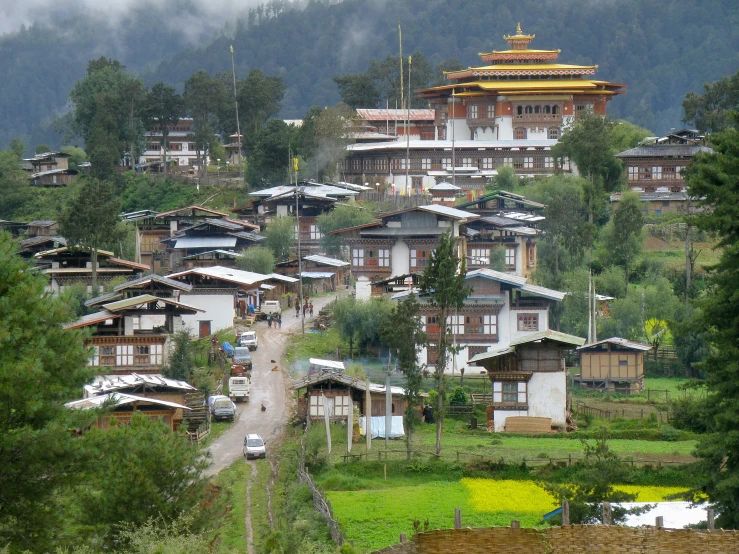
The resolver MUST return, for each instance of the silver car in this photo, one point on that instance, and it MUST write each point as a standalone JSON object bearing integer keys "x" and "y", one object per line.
{"x": 254, "y": 447}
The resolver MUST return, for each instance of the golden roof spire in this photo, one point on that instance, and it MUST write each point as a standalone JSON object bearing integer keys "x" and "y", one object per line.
{"x": 519, "y": 41}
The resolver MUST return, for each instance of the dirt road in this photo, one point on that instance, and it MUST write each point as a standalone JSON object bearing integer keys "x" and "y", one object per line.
{"x": 267, "y": 387}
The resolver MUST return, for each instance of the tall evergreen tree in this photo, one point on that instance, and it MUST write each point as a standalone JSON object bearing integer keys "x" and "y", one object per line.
{"x": 42, "y": 365}
{"x": 203, "y": 97}
{"x": 90, "y": 218}
{"x": 715, "y": 179}
{"x": 443, "y": 282}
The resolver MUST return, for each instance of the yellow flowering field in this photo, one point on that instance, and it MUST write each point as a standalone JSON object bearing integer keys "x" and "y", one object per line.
{"x": 490, "y": 496}
{"x": 650, "y": 494}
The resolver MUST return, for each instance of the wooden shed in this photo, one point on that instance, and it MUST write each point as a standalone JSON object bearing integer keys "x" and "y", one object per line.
{"x": 342, "y": 392}
{"x": 613, "y": 364}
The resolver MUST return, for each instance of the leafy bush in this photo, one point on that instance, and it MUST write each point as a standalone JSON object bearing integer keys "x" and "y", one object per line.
{"x": 458, "y": 397}
{"x": 669, "y": 433}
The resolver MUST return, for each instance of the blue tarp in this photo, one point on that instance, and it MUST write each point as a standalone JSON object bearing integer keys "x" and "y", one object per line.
{"x": 378, "y": 427}
{"x": 228, "y": 349}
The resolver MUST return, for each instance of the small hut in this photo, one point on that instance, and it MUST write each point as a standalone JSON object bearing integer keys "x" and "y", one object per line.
{"x": 614, "y": 364}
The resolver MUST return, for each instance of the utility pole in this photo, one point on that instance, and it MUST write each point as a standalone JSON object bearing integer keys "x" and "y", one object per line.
{"x": 236, "y": 104}
{"x": 454, "y": 158}
{"x": 297, "y": 224}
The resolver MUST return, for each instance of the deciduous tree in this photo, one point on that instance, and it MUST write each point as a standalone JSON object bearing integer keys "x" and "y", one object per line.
{"x": 358, "y": 91}
{"x": 711, "y": 111}
{"x": 203, "y": 96}
{"x": 164, "y": 108}
{"x": 258, "y": 259}
{"x": 403, "y": 334}
{"x": 281, "y": 236}
{"x": 342, "y": 216}
{"x": 443, "y": 283}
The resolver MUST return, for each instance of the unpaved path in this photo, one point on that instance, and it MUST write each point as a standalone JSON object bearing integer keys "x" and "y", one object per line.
{"x": 267, "y": 387}
{"x": 247, "y": 517}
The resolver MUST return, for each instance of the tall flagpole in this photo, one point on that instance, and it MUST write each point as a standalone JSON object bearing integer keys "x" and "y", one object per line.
{"x": 454, "y": 157}
{"x": 236, "y": 103}
{"x": 408, "y": 132}
{"x": 400, "y": 41}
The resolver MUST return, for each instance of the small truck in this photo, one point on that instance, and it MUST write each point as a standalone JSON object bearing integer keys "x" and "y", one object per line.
{"x": 238, "y": 388}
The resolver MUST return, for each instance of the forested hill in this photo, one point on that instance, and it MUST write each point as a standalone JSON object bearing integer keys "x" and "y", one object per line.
{"x": 660, "y": 48}
{"x": 39, "y": 64}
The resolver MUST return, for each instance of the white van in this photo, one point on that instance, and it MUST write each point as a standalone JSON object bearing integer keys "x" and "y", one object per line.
{"x": 238, "y": 388}
{"x": 271, "y": 307}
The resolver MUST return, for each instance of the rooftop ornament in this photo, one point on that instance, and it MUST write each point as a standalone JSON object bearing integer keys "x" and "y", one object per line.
{"x": 519, "y": 41}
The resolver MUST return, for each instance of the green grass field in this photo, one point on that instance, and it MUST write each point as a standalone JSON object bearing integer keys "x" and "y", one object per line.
{"x": 373, "y": 519}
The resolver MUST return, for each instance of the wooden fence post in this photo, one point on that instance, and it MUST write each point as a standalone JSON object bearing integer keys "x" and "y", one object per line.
{"x": 402, "y": 537}
{"x": 565, "y": 512}
{"x": 606, "y": 513}
{"x": 711, "y": 517}
{"x": 457, "y": 518}
{"x": 515, "y": 524}
{"x": 659, "y": 522}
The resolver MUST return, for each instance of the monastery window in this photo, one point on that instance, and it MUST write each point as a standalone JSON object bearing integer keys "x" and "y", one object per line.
{"x": 537, "y": 109}
{"x": 427, "y": 135}
{"x": 528, "y": 162}
{"x": 645, "y": 173}
{"x": 548, "y": 162}
{"x": 520, "y": 133}
{"x": 555, "y": 110}
{"x": 356, "y": 165}
{"x": 472, "y": 111}
{"x": 419, "y": 258}
{"x": 367, "y": 164}
{"x": 528, "y": 322}
{"x": 565, "y": 164}
{"x": 176, "y": 147}
{"x": 479, "y": 256}
{"x": 191, "y": 146}
{"x": 315, "y": 233}
{"x": 529, "y": 110}
{"x": 432, "y": 354}
{"x": 531, "y": 250}
{"x": 633, "y": 173}
{"x": 358, "y": 257}
{"x": 510, "y": 258}
{"x": 426, "y": 163}
{"x": 488, "y": 112}
{"x": 553, "y": 133}
{"x": 446, "y": 163}
{"x": 547, "y": 109}
{"x": 669, "y": 173}
{"x": 504, "y": 161}
{"x": 487, "y": 163}
{"x": 519, "y": 110}
{"x": 657, "y": 172}
{"x": 467, "y": 162}
{"x": 509, "y": 392}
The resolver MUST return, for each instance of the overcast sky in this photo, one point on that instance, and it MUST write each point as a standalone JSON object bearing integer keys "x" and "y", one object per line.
{"x": 14, "y": 13}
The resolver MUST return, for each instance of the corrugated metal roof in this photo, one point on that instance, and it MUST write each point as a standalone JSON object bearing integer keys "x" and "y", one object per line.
{"x": 320, "y": 362}
{"x": 102, "y": 298}
{"x": 205, "y": 242}
{"x": 449, "y": 212}
{"x": 372, "y": 114}
{"x": 528, "y": 231}
{"x": 619, "y": 342}
{"x": 225, "y": 253}
{"x": 42, "y": 223}
{"x": 54, "y": 172}
{"x": 444, "y": 186}
{"x": 459, "y": 145}
{"x": 487, "y": 273}
{"x": 155, "y": 278}
{"x": 500, "y": 221}
{"x": 283, "y": 278}
{"x": 192, "y": 208}
{"x": 317, "y": 274}
{"x": 542, "y": 291}
{"x": 91, "y": 319}
{"x": 490, "y": 354}
{"x": 334, "y": 374}
{"x": 128, "y": 263}
{"x": 248, "y": 235}
{"x": 524, "y": 217}
{"x": 663, "y": 150}
{"x": 224, "y": 273}
{"x": 115, "y": 399}
{"x": 104, "y": 384}
{"x": 549, "y": 334}
{"x": 326, "y": 260}
{"x": 314, "y": 189}
{"x": 34, "y": 241}
{"x": 146, "y": 299}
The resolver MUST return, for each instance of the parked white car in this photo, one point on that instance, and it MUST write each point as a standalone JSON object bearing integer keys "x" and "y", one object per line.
{"x": 248, "y": 339}
{"x": 254, "y": 447}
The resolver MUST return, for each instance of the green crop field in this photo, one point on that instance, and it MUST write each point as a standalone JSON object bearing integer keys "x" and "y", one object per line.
{"x": 373, "y": 519}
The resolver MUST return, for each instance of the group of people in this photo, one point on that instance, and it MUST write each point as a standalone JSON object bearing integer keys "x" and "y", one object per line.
{"x": 307, "y": 309}
{"x": 274, "y": 318}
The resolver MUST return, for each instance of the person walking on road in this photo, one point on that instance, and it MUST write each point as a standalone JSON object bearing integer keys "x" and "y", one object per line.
{"x": 279, "y": 321}
{"x": 297, "y": 309}
{"x": 305, "y": 309}
{"x": 310, "y": 309}
{"x": 269, "y": 320}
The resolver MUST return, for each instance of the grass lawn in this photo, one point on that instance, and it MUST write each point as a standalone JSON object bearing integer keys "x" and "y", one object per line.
{"x": 230, "y": 530}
